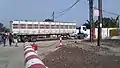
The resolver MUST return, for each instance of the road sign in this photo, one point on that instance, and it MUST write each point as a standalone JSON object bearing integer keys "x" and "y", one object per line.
{"x": 100, "y": 24}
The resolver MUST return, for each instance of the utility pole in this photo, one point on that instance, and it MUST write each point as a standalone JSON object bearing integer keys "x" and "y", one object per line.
{"x": 91, "y": 19}
{"x": 100, "y": 22}
{"x": 53, "y": 15}
{"x": 119, "y": 21}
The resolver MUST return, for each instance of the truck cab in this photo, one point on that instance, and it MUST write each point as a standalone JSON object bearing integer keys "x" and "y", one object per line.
{"x": 83, "y": 29}
{"x": 81, "y": 32}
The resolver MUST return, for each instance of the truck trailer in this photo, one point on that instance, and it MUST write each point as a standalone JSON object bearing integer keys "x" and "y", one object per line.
{"x": 35, "y": 30}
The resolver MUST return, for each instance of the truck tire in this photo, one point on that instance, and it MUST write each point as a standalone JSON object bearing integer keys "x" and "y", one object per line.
{"x": 24, "y": 38}
{"x": 81, "y": 36}
{"x": 33, "y": 39}
{"x": 19, "y": 39}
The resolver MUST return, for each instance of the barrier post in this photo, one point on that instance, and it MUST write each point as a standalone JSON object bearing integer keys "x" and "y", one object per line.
{"x": 60, "y": 45}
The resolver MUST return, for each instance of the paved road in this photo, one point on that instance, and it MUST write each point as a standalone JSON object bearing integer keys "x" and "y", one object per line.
{"x": 13, "y": 57}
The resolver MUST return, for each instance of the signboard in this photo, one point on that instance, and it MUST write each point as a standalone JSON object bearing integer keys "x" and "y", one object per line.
{"x": 96, "y": 12}
{"x": 100, "y": 24}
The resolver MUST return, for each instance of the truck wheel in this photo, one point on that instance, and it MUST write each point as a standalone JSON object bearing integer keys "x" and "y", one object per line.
{"x": 24, "y": 38}
{"x": 82, "y": 36}
{"x": 19, "y": 39}
{"x": 33, "y": 39}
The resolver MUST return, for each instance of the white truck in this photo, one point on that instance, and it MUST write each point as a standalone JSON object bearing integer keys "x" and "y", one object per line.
{"x": 35, "y": 30}
{"x": 81, "y": 32}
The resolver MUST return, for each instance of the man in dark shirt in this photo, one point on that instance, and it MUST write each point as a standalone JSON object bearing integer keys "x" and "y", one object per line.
{"x": 4, "y": 39}
{"x": 10, "y": 39}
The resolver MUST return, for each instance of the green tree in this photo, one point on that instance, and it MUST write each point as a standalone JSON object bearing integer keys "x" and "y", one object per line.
{"x": 106, "y": 23}
{"x": 87, "y": 25}
{"x": 3, "y": 29}
{"x": 49, "y": 20}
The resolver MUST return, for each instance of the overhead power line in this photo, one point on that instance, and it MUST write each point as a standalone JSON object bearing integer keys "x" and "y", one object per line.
{"x": 66, "y": 10}
{"x": 49, "y": 16}
{"x": 107, "y": 11}
{"x": 70, "y": 6}
{"x": 60, "y": 15}
{"x": 110, "y": 12}
{"x": 104, "y": 10}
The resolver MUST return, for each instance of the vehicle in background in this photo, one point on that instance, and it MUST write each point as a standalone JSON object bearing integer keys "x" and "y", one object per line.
{"x": 36, "y": 30}
{"x": 81, "y": 32}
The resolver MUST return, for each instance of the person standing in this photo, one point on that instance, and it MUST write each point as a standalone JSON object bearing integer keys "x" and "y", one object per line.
{"x": 35, "y": 47}
{"x": 10, "y": 39}
{"x": 4, "y": 39}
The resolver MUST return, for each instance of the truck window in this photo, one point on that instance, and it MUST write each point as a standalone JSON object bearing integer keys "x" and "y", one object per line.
{"x": 84, "y": 28}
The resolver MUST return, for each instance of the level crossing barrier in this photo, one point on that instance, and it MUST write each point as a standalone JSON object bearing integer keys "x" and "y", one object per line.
{"x": 32, "y": 59}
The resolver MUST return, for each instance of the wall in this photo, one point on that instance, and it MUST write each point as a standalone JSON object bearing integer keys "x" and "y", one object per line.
{"x": 105, "y": 32}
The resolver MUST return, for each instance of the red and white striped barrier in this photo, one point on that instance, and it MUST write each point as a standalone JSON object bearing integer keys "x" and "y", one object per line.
{"x": 60, "y": 45}
{"x": 31, "y": 58}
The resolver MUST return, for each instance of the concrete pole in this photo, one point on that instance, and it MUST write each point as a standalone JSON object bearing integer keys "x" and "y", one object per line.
{"x": 100, "y": 21}
{"x": 91, "y": 19}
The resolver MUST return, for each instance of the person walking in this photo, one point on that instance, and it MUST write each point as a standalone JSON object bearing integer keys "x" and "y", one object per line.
{"x": 0, "y": 39}
{"x": 4, "y": 39}
{"x": 10, "y": 39}
{"x": 15, "y": 40}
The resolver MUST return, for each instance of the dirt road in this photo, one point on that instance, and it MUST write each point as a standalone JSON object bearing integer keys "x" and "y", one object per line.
{"x": 83, "y": 55}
